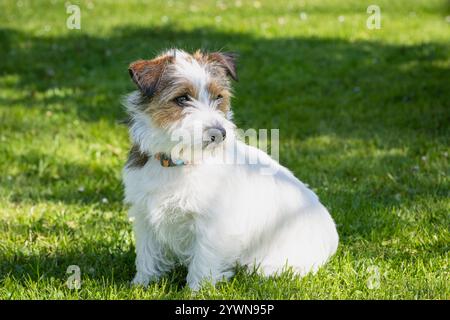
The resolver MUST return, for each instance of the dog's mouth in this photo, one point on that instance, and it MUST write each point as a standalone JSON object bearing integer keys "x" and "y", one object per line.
{"x": 209, "y": 145}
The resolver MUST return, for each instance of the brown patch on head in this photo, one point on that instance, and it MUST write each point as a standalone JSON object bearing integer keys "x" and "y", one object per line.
{"x": 160, "y": 84}
{"x": 163, "y": 109}
{"x": 226, "y": 60}
{"x": 219, "y": 61}
{"x": 164, "y": 114}
{"x": 200, "y": 56}
{"x": 146, "y": 74}
{"x": 149, "y": 76}
{"x": 217, "y": 89}
{"x": 181, "y": 88}
{"x": 220, "y": 65}
{"x": 136, "y": 159}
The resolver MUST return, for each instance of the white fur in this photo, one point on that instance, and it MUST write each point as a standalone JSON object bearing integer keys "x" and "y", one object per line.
{"x": 213, "y": 215}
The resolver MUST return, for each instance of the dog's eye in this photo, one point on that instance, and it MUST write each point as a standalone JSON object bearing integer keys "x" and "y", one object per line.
{"x": 219, "y": 97}
{"x": 181, "y": 100}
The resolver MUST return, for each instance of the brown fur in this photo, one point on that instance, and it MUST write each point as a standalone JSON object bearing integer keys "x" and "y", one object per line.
{"x": 157, "y": 85}
{"x": 136, "y": 159}
{"x": 227, "y": 61}
{"x": 164, "y": 114}
{"x": 216, "y": 89}
{"x": 147, "y": 73}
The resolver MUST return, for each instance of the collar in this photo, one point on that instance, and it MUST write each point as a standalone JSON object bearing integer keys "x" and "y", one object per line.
{"x": 166, "y": 161}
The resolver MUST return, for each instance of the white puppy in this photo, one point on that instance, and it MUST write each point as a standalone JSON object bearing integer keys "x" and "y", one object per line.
{"x": 210, "y": 212}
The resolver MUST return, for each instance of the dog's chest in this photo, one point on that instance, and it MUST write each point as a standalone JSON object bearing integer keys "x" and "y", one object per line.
{"x": 177, "y": 201}
{"x": 173, "y": 216}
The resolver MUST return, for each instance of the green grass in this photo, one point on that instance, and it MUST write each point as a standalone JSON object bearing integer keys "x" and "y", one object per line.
{"x": 363, "y": 115}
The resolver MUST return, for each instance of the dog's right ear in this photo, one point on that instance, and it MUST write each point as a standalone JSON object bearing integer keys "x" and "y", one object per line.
{"x": 147, "y": 73}
{"x": 227, "y": 60}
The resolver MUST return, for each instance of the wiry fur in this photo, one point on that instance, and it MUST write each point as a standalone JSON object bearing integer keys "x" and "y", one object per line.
{"x": 211, "y": 215}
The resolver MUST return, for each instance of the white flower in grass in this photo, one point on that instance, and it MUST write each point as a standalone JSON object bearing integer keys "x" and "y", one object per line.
{"x": 238, "y": 3}
{"x": 164, "y": 19}
{"x": 218, "y": 19}
{"x": 257, "y": 4}
{"x": 341, "y": 19}
{"x": 424, "y": 158}
{"x": 81, "y": 189}
{"x": 281, "y": 21}
{"x": 303, "y": 16}
{"x": 105, "y": 200}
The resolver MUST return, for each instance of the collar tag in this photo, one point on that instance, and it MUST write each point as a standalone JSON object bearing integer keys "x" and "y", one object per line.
{"x": 166, "y": 161}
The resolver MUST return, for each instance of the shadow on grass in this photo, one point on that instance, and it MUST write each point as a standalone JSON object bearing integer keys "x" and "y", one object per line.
{"x": 347, "y": 89}
{"x": 97, "y": 262}
{"x": 46, "y": 178}
{"x": 332, "y": 83}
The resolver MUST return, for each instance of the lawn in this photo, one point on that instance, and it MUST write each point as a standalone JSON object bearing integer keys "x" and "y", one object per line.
{"x": 363, "y": 116}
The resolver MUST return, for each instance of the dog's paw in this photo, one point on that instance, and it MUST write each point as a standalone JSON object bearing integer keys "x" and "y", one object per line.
{"x": 194, "y": 285}
{"x": 140, "y": 279}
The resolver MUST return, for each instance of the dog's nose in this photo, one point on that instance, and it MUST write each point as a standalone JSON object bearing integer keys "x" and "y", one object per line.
{"x": 217, "y": 134}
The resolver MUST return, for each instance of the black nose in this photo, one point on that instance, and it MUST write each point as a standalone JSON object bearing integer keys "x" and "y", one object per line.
{"x": 217, "y": 133}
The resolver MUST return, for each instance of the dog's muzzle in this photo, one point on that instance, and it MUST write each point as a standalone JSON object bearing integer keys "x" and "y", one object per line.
{"x": 215, "y": 135}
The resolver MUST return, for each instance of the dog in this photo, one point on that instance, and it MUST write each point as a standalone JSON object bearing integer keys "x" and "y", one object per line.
{"x": 210, "y": 214}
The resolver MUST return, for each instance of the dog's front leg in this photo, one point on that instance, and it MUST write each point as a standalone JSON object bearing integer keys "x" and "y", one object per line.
{"x": 150, "y": 261}
{"x": 207, "y": 265}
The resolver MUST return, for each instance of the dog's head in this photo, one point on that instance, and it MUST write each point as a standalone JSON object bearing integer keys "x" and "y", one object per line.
{"x": 181, "y": 96}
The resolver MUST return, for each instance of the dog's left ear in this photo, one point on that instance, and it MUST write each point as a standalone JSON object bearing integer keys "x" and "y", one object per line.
{"x": 227, "y": 60}
{"x": 147, "y": 73}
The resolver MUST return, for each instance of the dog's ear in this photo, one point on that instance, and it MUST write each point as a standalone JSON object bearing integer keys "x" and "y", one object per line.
{"x": 147, "y": 73}
{"x": 227, "y": 60}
